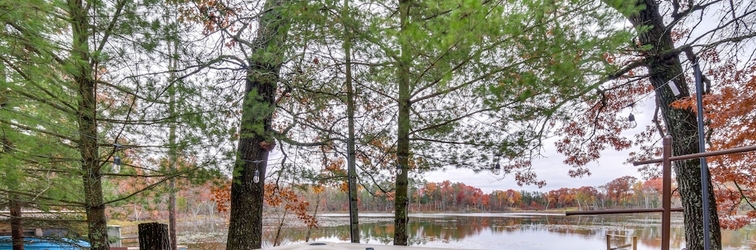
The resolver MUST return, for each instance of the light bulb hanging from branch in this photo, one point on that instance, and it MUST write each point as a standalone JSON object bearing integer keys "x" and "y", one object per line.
{"x": 116, "y": 159}
{"x": 631, "y": 118}
{"x": 496, "y": 169}
{"x": 632, "y": 121}
{"x": 256, "y": 177}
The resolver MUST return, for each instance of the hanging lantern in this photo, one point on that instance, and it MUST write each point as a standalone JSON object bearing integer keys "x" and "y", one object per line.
{"x": 632, "y": 121}
{"x": 116, "y": 164}
{"x": 496, "y": 170}
{"x": 116, "y": 158}
{"x": 256, "y": 178}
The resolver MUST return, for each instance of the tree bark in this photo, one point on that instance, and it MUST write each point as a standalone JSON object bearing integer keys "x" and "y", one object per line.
{"x": 17, "y": 230}
{"x": 14, "y": 205}
{"x": 681, "y": 123}
{"x": 173, "y": 151}
{"x": 255, "y": 142}
{"x": 154, "y": 236}
{"x": 403, "y": 120}
{"x": 87, "y": 122}
{"x": 354, "y": 222}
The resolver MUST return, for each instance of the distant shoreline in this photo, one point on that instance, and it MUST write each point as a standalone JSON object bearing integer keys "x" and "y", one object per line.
{"x": 449, "y": 214}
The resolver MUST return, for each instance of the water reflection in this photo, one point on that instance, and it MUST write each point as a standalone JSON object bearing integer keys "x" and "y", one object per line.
{"x": 499, "y": 231}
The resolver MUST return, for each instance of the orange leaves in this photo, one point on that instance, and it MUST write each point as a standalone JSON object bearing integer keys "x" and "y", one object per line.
{"x": 389, "y": 196}
{"x": 678, "y": 33}
{"x": 728, "y": 204}
{"x": 608, "y": 58}
{"x": 213, "y": 15}
{"x": 222, "y": 197}
{"x": 335, "y": 166}
{"x": 619, "y": 189}
{"x": 275, "y": 196}
{"x": 344, "y": 186}
{"x": 654, "y": 184}
{"x": 268, "y": 146}
{"x": 561, "y": 196}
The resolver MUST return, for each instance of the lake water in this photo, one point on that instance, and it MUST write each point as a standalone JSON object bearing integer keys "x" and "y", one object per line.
{"x": 528, "y": 231}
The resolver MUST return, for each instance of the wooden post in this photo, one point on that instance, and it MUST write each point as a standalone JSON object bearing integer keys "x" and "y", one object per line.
{"x": 154, "y": 236}
{"x": 608, "y": 243}
{"x": 666, "y": 161}
{"x": 666, "y": 190}
{"x": 635, "y": 242}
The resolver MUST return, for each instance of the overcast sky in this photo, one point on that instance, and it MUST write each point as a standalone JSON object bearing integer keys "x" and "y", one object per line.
{"x": 552, "y": 169}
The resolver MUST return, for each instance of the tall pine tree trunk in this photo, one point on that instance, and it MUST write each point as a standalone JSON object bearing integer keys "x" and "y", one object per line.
{"x": 87, "y": 122}
{"x": 154, "y": 236}
{"x": 403, "y": 120}
{"x": 17, "y": 229}
{"x": 681, "y": 123}
{"x": 354, "y": 222}
{"x": 255, "y": 142}
{"x": 172, "y": 182}
{"x": 14, "y": 205}
{"x": 173, "y": 151}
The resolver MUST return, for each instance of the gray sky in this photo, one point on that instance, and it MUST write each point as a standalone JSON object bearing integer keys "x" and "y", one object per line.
{"x": 552, "y": 169}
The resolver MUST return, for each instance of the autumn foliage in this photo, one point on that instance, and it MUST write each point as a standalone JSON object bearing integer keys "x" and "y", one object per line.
{"x": 275, "y": 196}
{"x": 730, "y": 118}
{"x": 600, "y": 121}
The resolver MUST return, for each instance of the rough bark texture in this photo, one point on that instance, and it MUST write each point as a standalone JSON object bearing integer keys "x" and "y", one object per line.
{"x": 681, "y": 123}
{"x": 403, "y": 120}
{"x": 154, "y": 236}
{"x": 172, "y": 215}
{"x": 354, "y": 222}
{"x": 247, "y": 197}
{"x": 17, "y": 230}
{"x": 14, "y": 205}
{"x": 173, "y": 157}
{"x": 87, "y": 122}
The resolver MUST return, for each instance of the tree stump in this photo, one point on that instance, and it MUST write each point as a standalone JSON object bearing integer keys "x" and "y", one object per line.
{"x": 154, "y": 236}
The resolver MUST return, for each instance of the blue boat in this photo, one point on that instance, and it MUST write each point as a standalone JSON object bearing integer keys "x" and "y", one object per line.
{"x": 33, "y": 243}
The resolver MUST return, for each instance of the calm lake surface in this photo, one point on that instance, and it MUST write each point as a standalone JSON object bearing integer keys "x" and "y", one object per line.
{"x": 529, "y": 231}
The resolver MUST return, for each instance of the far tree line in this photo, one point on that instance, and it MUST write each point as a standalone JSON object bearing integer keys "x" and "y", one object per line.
{"x": 425, "y": 197}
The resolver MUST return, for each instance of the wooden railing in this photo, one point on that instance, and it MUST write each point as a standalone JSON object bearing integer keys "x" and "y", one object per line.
{"x": 666, "y": 162}
{"x": 633, "y": 244}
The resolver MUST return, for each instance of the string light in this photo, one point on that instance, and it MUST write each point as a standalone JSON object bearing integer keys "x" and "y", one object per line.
{"x": 256, "y": 175}
{"x": 632, "y": 121}
{"x": 496, "y": 170}
{"x": 399, "y": 165}
{"x": 674, "y": 89}
{"x": 117, "y": 159}
{"x": 495, "y": 167}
